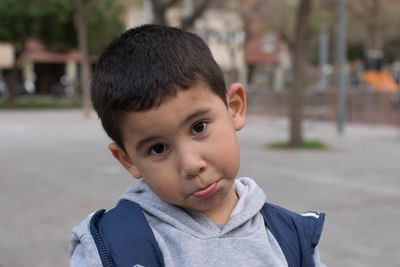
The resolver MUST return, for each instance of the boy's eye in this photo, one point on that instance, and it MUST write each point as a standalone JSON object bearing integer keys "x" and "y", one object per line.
{"x": 198, "y": 128}
{"x": 158, "y": 149}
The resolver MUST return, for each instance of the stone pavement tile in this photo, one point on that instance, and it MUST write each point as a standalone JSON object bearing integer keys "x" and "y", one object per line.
{"x": 55, "y": 169}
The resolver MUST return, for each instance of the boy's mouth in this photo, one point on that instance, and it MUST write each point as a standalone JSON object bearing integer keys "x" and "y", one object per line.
{"x": 206, "y": 192}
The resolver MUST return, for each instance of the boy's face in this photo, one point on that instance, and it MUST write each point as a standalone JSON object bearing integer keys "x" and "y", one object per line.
{"x": 186, "y": 150}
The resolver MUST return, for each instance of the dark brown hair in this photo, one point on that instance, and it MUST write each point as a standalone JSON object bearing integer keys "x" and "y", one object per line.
{"x": 146, "y": 65}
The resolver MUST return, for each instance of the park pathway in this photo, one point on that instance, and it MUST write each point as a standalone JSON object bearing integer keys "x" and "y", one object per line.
{"x": 55, "y": 169}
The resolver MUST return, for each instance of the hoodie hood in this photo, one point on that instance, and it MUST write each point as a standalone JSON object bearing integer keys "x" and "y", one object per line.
{"x": 188, "y": 238}
{"x": 192, "y": 222}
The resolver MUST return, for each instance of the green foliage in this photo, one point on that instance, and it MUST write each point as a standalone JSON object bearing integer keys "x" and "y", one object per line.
{"x": 307, "y": 145}
{"x": 355, "y": 51}
{"x": 41, "y": 102}
{"x": 55, "y": 25}
{"x": 52, "y": 21}
{"x": 391, "y": 51}
{"x": 279, "y": 17}
{"x": 17, "y": 21}
{"x": 104, "y": 24}
{"x": 321, "y": 15}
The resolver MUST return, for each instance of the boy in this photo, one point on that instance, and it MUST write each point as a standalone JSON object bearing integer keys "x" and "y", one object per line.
{"x": 161, "y": 98}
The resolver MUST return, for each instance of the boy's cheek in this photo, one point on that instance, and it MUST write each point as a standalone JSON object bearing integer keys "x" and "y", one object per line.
{"x": 228, "y": 155}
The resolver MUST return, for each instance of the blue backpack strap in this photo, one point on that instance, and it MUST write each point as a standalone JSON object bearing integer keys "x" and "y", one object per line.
{"x": 124, "y": 238}
{"x": 297, "y": 235}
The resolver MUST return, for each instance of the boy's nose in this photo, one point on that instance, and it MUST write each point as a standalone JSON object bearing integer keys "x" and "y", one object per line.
{"x": 192, "y": 164}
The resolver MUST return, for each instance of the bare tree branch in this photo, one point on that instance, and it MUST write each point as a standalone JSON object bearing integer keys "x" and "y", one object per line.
{"x": 164, "y": 4}
{"x": 297, "y": 94}
{"x": 89, "y": 5}
{"x": 249, "y": 15}
{"x": 81, "y": 12}
{"x": 159, "y": 10}
{"x": 188, "y": 22}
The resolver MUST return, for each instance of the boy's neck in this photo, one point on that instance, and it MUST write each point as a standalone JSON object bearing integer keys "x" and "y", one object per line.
{"x": 221, "y": 214}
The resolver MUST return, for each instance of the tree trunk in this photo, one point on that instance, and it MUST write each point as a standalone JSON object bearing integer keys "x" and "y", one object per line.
{"x": 159, "y": 10}
{"x": 14, "y": 78}
{"x": 297, "y": 94}
{"x": 13, "y": 86}
{"x": 374, "y": 40}
{"x": 159, "y": 16}
{"x": 188, "y": 21}
{"x": 85, "y": 71}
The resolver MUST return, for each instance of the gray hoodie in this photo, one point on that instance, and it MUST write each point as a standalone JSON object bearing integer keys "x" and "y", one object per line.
{"x": 188, "y": 238}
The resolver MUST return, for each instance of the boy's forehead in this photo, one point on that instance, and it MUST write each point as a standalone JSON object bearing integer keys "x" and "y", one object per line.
{"x": 175, "y": 110}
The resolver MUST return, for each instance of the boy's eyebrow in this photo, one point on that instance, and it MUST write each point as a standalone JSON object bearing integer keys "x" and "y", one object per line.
{"x": 196, "y": 114}
{"x": 150, "y": 139}
{"x": 145, "y": 141}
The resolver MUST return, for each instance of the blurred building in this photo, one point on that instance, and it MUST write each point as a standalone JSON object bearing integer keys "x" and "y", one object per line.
{"x": 220, "y": 26}
{"x": 41, "y": 71}
{"x": 6, "y": 55}
{"x": 260, "y": 59}
{"x": 6, "y": 62}
{"x": 266, "y": 54}
{"x": 268, "y": 61}
{"x": 47, "y": 72}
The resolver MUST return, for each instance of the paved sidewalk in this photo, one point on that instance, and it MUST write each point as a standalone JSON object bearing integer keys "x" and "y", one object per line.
{"x": 55, "y": 169}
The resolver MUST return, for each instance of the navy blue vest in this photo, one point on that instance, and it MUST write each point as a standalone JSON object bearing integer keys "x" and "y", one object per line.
{"x": 119, "y": 244}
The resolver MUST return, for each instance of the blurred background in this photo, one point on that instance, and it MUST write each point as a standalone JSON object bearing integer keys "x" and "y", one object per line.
{"x": 322, "y": 83}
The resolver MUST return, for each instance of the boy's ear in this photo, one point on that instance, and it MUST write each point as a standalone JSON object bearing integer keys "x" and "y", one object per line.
{"x": 236, "y": 100}
{"x": 124, "y": 159}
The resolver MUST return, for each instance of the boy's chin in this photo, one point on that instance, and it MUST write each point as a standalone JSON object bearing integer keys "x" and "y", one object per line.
{"x": 219, "y": 207}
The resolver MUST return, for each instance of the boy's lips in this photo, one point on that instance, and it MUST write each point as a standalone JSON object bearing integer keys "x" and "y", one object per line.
{"x": 206, "y": 192}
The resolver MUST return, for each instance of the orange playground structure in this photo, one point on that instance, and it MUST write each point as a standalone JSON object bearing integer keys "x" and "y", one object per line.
{"x": 380, "y": 80}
